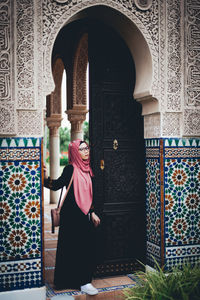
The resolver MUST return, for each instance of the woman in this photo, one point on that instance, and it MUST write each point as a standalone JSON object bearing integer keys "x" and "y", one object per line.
{"x": 75, "y": 256}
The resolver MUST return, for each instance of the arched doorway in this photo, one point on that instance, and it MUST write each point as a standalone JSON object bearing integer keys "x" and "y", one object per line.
{"x": 116, "y": 138}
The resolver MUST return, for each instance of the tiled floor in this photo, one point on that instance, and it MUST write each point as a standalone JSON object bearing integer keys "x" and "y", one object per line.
{"x": 109, "y": 288}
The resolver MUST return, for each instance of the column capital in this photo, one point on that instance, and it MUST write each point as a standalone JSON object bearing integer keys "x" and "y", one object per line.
{"x": 54, "y": 121}
{"x": 77, "y": 113}
{"x": 53, "y": 124}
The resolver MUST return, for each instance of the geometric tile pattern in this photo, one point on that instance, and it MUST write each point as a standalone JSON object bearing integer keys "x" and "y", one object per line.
{"x": 153, "y": 201}
{"x": 181, "y": 193}
{"x": 18, "y": 274}
{"x": 20, "y": 213}
{"x": 182, "y": 201}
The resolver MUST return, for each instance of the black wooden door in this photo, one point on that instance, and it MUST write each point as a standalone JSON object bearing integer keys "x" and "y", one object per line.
{"x": 116, "y": 138}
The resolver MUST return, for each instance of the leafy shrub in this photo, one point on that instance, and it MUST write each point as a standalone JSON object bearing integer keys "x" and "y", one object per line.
{"x": 179, "y": 284}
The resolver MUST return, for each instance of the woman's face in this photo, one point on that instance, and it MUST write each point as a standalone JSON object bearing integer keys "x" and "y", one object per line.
{"x": 84, "y": 151}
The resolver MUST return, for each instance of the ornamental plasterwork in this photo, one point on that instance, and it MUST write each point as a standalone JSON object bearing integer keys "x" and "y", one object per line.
{"x": 152, "y": 126}
{"x": 56, "y": 15}
{"x": 30, "y": 123}
{"x": 192, "y": 61}
{"x": 141, "y": 4}
{"x": 171, "y": 124}
{"x": 7, "y": 116}
{"x": 7, "y": 119}
{"x": 25, "y": 54}
{"x": 192, "y": 122}
{"x": 41, "y": 103}
{"x": 162, "y": 53}
{"x": 174, "y": 55}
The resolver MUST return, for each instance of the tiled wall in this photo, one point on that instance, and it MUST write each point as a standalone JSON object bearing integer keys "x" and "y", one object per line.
{"x": 20, "y": 213}
{"x": 153, "y": 200}
{"x": 179, "y": 200}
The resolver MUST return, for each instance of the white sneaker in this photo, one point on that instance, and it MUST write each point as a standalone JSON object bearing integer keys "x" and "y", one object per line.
{"x": 89, "y": 289}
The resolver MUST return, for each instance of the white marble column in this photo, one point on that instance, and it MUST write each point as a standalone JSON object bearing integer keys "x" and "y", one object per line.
{"x": 54, "y": 143}
{"x": 54, "y": 123}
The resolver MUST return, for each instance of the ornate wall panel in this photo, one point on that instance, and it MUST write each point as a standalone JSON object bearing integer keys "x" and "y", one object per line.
{"x": 152, "y": 126}
{"x": 174, "y": 55}
{"x": 20, "y": 213}
{"x": 30, "y": 123}
{"x": 171, "y": 57}
{"x": 25, "y": 54}
{"x": 192, "y": 59}
{"x": 80, "y": 72}
{"x": 173, "y": 201}
{"x": 182, "y": 201}
{"x": 192, "y": 122}
{"x": 153, "y": 209}
{"x": 56, "y": 14}
{"x": 7, "y": 113}
{"x": 171, "y": 124}
{"x": 40, "y": 98}
{"x": 162, "y": 52}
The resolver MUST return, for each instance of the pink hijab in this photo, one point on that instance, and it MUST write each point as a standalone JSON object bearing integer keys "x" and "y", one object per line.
{"x": 81, "y": 177}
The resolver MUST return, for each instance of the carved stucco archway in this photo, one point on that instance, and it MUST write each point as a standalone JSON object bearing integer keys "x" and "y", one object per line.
{"x": 77, "y": 113}
{"x": 144, "y": 54}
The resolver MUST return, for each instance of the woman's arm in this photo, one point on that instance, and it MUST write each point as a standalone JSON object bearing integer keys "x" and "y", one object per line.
{"x": 63, "y": 180}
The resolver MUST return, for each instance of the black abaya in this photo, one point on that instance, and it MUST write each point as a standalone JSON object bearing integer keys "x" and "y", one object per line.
{"x": 75, "y": 256}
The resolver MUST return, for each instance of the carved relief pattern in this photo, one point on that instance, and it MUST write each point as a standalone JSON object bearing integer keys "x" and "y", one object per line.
{"x": 152, "y": 126}
{"x": 38, "y": 21}
{"x": 171, "y": 124}
{"x": 174, "y": 59}
{"x": 5, "y": 51}
{"x": 192, "y": 65}
{"x": 7, "y": 118}
{"x": 25, "y": 53}
{"x": 55, "y": 15}
{"x": 192, "y": 122}
{"x": 80, "y": 72}
{"x": 58, "y": 68}
{"x": 162, "y": 52}
{"x": 30, "y": 123}
{"x": 7, "y": 124}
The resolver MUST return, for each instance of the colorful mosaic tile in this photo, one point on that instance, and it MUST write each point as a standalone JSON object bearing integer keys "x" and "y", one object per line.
{"x": 182, "y": 201}
{"x": 20, "y": 212}
{"x": 153, "y": 252}
{"x": 153, "y": 200}
{"x": 182, "y": 251}
{"x": 181, "y": 210}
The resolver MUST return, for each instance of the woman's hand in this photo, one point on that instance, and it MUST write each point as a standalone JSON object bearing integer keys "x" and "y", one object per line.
{"x": 95, "y": 219}
{"x": 45, "y": 172}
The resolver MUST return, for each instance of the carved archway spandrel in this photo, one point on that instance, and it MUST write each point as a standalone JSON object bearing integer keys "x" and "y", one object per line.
{"x": 142, "y": 19}
{"x": 80, "y": 72}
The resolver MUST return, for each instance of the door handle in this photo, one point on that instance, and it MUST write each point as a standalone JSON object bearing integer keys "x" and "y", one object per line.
{"x": 115, "y": 144}
{"x": 102, "y": 165}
